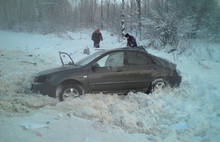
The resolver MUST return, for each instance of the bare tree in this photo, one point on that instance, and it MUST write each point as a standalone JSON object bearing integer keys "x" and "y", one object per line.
{"x": 63, "y": 15}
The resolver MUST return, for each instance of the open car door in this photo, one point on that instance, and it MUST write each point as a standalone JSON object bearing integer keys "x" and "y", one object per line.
{"x": 65, "y": 58}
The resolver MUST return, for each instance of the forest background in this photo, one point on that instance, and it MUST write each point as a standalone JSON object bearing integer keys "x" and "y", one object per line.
{"x": 163, "y": 22}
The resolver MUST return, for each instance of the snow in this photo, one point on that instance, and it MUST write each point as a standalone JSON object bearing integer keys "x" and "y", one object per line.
{"x": 180, "y": 126}
{"x": 188, "y": 113}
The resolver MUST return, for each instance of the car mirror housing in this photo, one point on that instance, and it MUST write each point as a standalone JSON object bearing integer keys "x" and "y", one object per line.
{"x": 95, "y": 66}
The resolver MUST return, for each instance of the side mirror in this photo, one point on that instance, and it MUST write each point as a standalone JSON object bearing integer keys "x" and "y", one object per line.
{"x": 95, "y": 66}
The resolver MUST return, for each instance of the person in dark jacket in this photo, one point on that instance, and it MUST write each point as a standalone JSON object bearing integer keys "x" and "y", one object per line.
{"x": 131, "y": 41}
{"x": 97, "y": 37}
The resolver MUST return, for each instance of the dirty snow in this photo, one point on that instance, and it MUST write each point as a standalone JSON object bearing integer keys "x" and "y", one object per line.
{"x": 188, "y": 113}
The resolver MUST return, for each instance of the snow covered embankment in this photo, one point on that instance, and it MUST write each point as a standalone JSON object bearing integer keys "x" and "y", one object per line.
{"x": 188, "y": 113}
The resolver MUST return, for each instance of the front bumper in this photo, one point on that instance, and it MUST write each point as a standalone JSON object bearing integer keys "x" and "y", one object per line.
{"x": 175, "y": 79}
{"x": 178, "y": 80}
{"x": 43, "y": 88}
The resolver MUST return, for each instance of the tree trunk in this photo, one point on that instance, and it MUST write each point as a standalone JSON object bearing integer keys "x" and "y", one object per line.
{"x": 145, "y": 7}
{"x": 123, "y": 18}
{"x": 148, "y": 7}
{"x": 139, "y": 18}
{"x": 108, "y": 13}
{"x": 102, "y": 16}
{"x": 131, "y": 15}
{"x": 167, "y": 6}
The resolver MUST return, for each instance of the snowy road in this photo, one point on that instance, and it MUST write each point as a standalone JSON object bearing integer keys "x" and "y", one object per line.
{"x": 189, "y": 113}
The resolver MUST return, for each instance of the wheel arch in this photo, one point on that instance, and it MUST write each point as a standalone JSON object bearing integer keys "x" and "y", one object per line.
{"x": 71, "y": 81}
{"x": 66, "y": 82}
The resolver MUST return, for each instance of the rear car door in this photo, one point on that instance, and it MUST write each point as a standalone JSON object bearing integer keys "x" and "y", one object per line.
{"x": 139, "y": 69}
{"x": 107, "y": 73}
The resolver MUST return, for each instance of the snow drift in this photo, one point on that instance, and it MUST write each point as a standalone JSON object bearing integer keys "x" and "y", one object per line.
{"x": 188, "y": 113}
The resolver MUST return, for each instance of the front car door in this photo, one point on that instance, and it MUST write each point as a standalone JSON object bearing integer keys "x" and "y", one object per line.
{"x": 107, "y": 73}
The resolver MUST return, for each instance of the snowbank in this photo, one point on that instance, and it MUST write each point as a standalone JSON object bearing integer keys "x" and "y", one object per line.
{"x": 188, "y": 113}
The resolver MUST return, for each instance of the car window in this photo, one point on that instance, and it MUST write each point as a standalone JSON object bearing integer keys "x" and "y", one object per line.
{"x": 89, "y": 58}
{"x": 136, "y": 58}
{"x": 102, "y": 61}
{"x": 112, "y": 60}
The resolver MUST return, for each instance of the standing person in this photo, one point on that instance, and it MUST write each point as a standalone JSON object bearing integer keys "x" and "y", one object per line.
{"x": 97, "y": 37}
{"x": 131, "y": 41}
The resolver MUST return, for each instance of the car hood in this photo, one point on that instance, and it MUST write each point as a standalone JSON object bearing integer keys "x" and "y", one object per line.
{"x": 58, "y": 69}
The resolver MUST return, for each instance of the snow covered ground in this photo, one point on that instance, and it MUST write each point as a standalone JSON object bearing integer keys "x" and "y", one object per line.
{"x": 188, "y": 113}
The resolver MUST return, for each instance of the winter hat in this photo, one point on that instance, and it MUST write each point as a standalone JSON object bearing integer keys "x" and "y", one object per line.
{"x": 127, "y": 35}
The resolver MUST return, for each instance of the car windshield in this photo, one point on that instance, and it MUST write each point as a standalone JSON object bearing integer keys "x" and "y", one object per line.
{"x": 89, "y": 58}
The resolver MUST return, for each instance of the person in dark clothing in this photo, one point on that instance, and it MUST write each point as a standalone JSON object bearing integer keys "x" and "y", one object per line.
{"x": 131, "y": 41}
{"x": 97, "y": 37}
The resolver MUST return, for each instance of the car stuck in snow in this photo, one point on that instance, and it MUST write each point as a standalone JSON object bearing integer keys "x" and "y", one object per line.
{"x": 119, "y": 70}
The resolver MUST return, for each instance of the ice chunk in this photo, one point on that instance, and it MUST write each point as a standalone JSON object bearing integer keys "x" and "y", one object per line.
{"x": 33, "y": 125}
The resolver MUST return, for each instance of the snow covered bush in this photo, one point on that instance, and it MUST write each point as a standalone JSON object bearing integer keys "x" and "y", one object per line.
{"x": 167, "y": 29}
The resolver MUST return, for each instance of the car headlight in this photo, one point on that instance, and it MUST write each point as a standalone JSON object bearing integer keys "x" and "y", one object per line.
{"x": 42, "y": 78}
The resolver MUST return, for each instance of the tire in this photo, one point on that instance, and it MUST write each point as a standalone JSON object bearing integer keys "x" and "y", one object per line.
{"x": 157, "y": 85}
{"x": 69, "y": 91}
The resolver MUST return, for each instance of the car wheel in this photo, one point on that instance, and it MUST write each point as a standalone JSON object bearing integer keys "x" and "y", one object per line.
{"x": 158, "y": 85}
{"x": 69, "y": 91}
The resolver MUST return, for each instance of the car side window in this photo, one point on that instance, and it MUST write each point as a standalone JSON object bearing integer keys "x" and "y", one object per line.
{"x": 112, "y": 60}
{"x": 136, "y": 58}
{"x": 102, "y": 61}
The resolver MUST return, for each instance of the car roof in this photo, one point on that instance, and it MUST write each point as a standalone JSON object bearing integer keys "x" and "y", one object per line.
{"x": 129, "y": 49}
